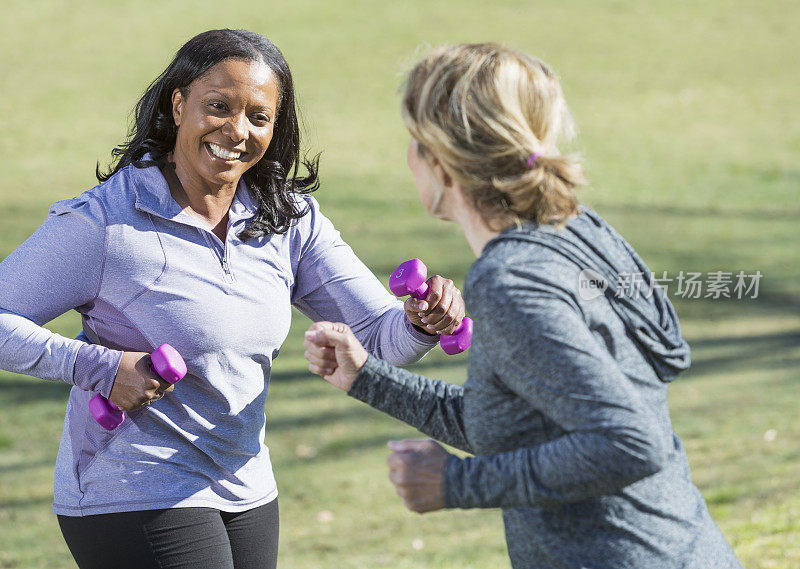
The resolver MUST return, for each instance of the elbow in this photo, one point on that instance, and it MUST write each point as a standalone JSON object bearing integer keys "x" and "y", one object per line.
{"x": 389, "y": 353}
{"x": 401, "y": 360}
{"x": 388, "y": 338}
{"x": 653, "y": 461}
{"x": 644, "y": 453}
{"x": 399, "y": 351}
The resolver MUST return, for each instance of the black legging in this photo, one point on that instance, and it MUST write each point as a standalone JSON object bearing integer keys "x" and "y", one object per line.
{"x": 196, "y": 538}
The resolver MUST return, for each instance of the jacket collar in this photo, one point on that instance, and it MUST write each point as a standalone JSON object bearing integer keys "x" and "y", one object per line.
{"x": 153, "y": 195}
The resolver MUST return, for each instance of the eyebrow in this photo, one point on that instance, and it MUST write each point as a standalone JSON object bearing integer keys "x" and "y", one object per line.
{"x": 221, "y": 94}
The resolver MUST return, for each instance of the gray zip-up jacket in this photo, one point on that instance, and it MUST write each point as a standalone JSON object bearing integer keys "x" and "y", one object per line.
{"x": 565, "y": 406}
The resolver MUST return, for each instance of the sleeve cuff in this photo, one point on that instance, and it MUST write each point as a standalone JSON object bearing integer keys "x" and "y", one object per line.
{"x": 420, "y": 336}
{"x": 95, "y": 368}
{"x": 453, "y": 476}
{"x": 378, "y": 386}
{"x": 364, "y": 384}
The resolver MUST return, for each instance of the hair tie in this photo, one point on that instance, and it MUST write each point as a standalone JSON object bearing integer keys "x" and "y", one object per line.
{"x": 532, "y": 158}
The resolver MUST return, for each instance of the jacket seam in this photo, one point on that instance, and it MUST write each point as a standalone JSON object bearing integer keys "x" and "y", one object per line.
{"x": 105, "y": 246}
{"x": 158, "y": 278}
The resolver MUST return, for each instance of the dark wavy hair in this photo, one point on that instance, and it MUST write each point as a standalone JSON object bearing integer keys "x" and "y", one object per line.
{"x": 154, "y": 129}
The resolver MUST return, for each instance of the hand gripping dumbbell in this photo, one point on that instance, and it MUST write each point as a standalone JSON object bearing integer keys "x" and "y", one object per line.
{"x": 409, "y": 278}
{"x": 165, "y": 361}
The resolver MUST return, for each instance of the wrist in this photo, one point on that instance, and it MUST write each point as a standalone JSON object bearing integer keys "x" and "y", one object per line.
{"x": 363, "y": 371}
{"x": 420, "y": 335}
{"x": 95, "y": 368}
{"x": 423, "y": 331}
{"x": 451, "y": 489}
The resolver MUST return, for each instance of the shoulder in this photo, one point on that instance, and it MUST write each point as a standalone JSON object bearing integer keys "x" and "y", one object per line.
{"x": 513, "y": 268}
{"x": 549, "y": 258}
{"x": 87, "y": 208}
{"x": 75, "y": 224}
{"x": 104, "y": 202}
{"x": 309, "y": 206}
{"x": 313, "y": 221}
{"x": 592, "y": 226}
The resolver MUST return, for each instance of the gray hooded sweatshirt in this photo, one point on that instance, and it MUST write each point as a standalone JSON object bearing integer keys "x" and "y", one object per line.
{"x": 565, "y": 406}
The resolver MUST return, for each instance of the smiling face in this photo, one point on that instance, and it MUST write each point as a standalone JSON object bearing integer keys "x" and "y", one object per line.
{"x": 225, "y": 123}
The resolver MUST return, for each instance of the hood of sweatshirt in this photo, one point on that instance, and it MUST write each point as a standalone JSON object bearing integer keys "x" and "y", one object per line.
{"x": 646, "y": 312}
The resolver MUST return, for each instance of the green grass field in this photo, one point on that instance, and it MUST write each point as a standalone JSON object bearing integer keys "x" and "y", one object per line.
{"x": 689, "y": 124}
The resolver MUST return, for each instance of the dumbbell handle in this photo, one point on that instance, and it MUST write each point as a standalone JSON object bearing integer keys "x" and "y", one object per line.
{"x": 422, "y": 292}
{"x": 410, "y": 279}
{"x": 165, "y": 361}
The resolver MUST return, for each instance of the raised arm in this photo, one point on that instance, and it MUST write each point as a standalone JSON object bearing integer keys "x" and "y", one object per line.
{"x": 55, "y": 270}
{"x": 331, "y": 283}
{"x": 432, "y": 406}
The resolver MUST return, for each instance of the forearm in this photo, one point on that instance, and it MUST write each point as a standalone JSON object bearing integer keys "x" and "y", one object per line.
{"x": 392, "y": 338}
{"x": 432, "y": 406}
{"x": 377, "y": 319}
{"x": 30, "y": 349}
{"x": 569, "y": 469}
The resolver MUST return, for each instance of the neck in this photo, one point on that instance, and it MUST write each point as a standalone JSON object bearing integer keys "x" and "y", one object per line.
{"x": 209, "y": 202}
{"x": 475, "y": 229}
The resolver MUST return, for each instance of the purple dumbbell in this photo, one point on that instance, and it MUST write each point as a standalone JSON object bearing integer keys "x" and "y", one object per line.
{"x": 409, "y": 278}
{"x": 165, "y": 361}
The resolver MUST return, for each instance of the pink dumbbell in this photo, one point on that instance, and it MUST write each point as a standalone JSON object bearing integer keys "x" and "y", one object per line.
{"x": 165, "y": 361}
{"x": 409, "y": 278}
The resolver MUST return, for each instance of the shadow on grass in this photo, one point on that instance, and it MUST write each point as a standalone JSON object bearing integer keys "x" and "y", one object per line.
{"x": 739, "y": 364}
{"x": 15, "y": 390}
{"x": 353, "y": 415}
{"x": 19, "y": 503}
{"x": 782, "y": 214}
{"x": 760, "y": 341}
{"x": 345, "y": 448}
{"x": 22, "y": 466}
{"x": 742, "y": 353}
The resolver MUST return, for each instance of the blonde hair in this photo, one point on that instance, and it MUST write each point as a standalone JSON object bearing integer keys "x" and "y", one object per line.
{"x": 484, "y": 110}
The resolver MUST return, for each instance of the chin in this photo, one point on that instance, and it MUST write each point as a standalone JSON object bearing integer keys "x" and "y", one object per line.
{"x": 227, "y": 176}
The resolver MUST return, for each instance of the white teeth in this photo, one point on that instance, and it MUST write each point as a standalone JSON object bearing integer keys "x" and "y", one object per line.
{"x": 220, "y": 152}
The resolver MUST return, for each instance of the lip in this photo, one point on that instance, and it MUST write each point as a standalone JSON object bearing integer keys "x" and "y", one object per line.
{"x": 207, "y": 146}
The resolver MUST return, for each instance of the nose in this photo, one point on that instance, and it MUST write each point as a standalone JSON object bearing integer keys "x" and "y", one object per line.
{"x": 235, "y": 128}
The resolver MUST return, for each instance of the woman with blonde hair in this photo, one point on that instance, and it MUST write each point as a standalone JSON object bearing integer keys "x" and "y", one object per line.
{"x": 565, "y": 404}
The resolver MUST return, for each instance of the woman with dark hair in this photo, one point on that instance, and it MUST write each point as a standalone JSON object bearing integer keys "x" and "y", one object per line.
{"x": 202, "y": 235}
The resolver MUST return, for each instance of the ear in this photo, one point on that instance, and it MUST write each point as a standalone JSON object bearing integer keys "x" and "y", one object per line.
{"x": 442, "y": 175}
{"x": 177, "y": 106}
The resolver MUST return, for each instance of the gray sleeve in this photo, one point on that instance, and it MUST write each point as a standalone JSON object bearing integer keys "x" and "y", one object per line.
{"x": 539, "y": 345}
{"x": 432, "y": 406}
{"x": 55, "y": 270}
{"x": 331, "y": 283}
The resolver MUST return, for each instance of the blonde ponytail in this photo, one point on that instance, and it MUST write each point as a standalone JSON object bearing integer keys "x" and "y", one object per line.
{"x": 484, "y": 110}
